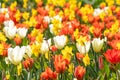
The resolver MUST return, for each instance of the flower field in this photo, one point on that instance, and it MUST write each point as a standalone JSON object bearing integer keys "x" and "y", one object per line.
{"x": 59, "y": 39}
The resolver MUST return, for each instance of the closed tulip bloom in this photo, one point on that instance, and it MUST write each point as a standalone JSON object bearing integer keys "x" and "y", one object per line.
{"x": 28, "y": 63}
{"x": 47, "y": 19}
{"x": 51, "y": 28}
{"x": 22, "y": 32}
{"x": 83, "y": 48}
{"x": 60, "y": 41}
{"x": 79, "y": 72}
{"x": 9, "y": 23}
{"x": 97, "y": 44}
{"x": 15, "y": 55}
{"x": 45, "y": 46}
{"x": 10, "y": 32}
{"x": 28, "y": 51}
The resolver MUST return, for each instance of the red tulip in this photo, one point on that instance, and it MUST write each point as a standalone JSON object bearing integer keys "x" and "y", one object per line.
{"x": 79, "y": 72}
{"x": 112, "y": 56}
{"x": 100, "y": 61}
{"x": 53, "y": 48}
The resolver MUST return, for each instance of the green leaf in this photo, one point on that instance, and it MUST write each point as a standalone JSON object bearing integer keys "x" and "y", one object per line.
{"x": 25, "y": 41}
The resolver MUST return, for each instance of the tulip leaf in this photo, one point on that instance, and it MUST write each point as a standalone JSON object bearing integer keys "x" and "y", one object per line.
{"x": 25, "y": 41}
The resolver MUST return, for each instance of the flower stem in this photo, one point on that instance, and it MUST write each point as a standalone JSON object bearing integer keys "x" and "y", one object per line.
{"x": 28, "y": 76}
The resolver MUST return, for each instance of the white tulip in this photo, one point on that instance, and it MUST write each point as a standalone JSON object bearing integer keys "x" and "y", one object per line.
{"x": 98, "y": 11}
{"x": 9, "y": 23}
{"x": 45, "y": 46}
{"x": 7, "y": 15}
{"x": 57, "y": 17}
{"x": 51, "y": 28}
{"x": 83, "y": 48}
{"x": 10, "y": 32}
{"x": 28, "y": 50}
{"x": 97, "y": 44}
{"x": 47, "y": 19}
{"x": 74, "y": 78}
{"x": 15, "y": 55}
{"x": 22, "y": 32}
{"x": 3, "y": 10}
{"x": 60, "y": 41}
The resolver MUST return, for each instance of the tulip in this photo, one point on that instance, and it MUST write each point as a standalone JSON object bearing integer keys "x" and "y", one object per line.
{"x": 79, "y": 72}
{"x": 48, "y": 75}
{"x": 15, "y": 55}
{"x": 28, "y": 63}
{"x": 28, "y": 51}
{"x": 60, "y": 63}
{"x": 22, "y": 32}
{"x": 17, "y": 40}
{"x": 53, "y": 48}
{"x": 97, "y": 44}
{"x": 100, "y": 61}
{"x": 2, "y": 18}
{"x": 8, "y": 23}
{"x": 47, "y": 19}
{"x": 83, "y": 48}
{"x": 10, "y": 32}
{"x": 3, "y": 10}
{"x": 45, "y": 46}
{"x": 51, "y": 28}
{"x": 98, "y": 11}
{"x": 79, "y": 56}
{"x": 112, "y": 56}
{"x": 60, "y": 41}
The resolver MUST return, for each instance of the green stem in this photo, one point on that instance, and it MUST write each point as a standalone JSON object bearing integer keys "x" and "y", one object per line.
{"x": 96, "y": 62}
{"x": 28, "y": 76}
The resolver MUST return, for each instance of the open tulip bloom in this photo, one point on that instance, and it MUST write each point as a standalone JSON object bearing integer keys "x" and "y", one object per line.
{"x": 59, "y": 40}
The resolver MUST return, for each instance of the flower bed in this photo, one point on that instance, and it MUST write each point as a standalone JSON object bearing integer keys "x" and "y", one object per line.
{"x": 60, "y": 40}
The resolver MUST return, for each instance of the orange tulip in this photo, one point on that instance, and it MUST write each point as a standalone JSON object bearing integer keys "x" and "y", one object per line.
{"x": 48, "y": 75}
{"x": 5, "y": 51}
{"x": 28, "y": 63}
{"x": 60, "y": 64}
{"x": 79, "y": 56}
{"x": 2, "y": 18}
{"x": 79, "y": 72}
{"x": 17, "y": 40}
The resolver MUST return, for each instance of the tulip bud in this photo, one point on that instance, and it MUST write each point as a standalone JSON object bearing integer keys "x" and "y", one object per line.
{"x": 28, "y": 63}
{"x": 83, "y": 48}
{"x": 60, "y": 41}
{"x": 22, "y": 32}
{"x": 17, "y": 40}
{"x": 79, "y": 72}
{"x": 100, "y": 61}
{"x": 97, "y": 44}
